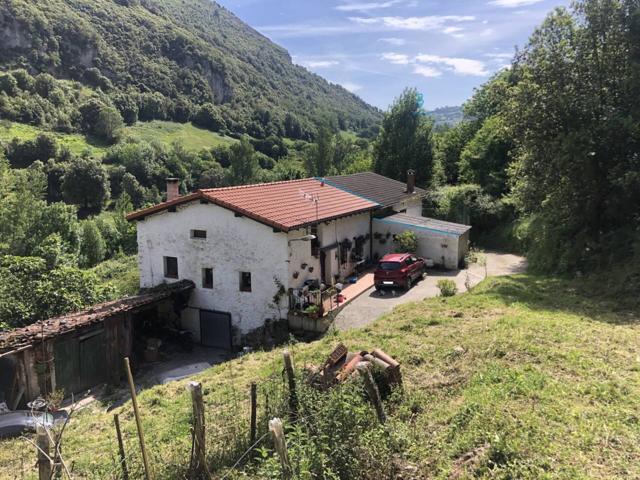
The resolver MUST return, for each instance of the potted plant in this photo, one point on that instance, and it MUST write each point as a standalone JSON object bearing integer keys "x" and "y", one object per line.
{"x": 313, "y": 311}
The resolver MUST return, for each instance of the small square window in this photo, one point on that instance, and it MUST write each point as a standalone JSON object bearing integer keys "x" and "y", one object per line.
{"x": 198, "y": 234}
{"x": 171, "y": 267}
{"x": 207, "y": 278}
{"x": 245, "y": 281}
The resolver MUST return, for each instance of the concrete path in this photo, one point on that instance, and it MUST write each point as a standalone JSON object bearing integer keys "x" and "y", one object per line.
{"x": 370, "y": 305}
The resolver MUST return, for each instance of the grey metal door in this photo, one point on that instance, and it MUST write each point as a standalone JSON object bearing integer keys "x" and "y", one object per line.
{"x": 215, "y": 329}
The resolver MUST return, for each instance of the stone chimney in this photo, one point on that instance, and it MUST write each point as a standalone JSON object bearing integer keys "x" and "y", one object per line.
{"x": 411, "y": 181}
{"x": 173, "y": 189}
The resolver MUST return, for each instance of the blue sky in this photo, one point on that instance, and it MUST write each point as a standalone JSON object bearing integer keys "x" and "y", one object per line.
{"x": 375, "y": 48}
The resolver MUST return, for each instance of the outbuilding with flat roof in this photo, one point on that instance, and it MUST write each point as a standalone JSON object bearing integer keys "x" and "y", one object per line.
{"x": 445, "y": 243}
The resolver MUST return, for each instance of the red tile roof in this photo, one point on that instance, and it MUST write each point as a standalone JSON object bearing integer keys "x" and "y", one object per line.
{"x": 282, "y": 205}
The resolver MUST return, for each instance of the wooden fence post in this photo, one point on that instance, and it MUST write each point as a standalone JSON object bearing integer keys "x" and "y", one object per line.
{"x": 44, "y": 460}
{"x": 254, "y": 411}
{"x": 136, "y": 412}
{"x": 199, "y": 436}
{"x": 293, "y": 398}
{"x": 123, "y": 457}
{"x": 277, "y": 433}
{"x": 372, "y": 389}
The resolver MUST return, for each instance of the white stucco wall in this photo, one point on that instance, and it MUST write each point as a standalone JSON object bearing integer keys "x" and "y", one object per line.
{"x": 299, "y": 254}
{"x": 442, "y": 248}
{"x": 329, "y": 233}
{"x": 341, "y": 229}
{"x": 233, "y": 245}
{"x": 411, "y": 207}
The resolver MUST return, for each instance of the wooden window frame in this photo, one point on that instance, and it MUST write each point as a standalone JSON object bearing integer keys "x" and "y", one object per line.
{"x": 167, "y": 273}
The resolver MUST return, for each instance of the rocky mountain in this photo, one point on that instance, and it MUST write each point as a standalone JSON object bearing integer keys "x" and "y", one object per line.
{"x": 184, "y": 53}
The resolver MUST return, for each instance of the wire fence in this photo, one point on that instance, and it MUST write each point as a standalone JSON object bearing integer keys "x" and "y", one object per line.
{"x": 229, "y": 440}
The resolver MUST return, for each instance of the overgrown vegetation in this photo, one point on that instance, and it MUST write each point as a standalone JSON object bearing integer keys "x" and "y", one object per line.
{"x": 516, "y": 379}
{"x": 44, "y": 244}
{"x": 546, "y": 159}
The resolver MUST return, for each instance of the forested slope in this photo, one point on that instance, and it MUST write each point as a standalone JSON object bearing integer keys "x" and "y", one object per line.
{"x": 170, "y": 57}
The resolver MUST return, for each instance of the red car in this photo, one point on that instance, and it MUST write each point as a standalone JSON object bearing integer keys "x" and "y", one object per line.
{"x": 398, "y": 270}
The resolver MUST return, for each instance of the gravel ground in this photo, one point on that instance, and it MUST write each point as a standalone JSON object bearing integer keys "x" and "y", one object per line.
{"x": 370, "y": 305}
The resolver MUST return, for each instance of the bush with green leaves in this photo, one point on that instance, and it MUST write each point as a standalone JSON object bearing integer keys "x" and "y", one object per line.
{"x": 448, "y": 288}
{"x": 92, "y": 245}
{"x": 86, "y": 184}
{"x": 30, "y": 290}
{"x": 337, "y": 436}
{"x": 406, "y": 242}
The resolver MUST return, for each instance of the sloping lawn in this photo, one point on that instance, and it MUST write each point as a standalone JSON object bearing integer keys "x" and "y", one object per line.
{"x": 193, "y": 138}
{"x": 75, "y": 142}
{"x": 525, "y": 377}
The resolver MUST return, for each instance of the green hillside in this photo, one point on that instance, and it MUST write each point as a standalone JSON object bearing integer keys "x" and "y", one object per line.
{"x": 77, "y": 143}
{"x": 164, "y": 59}
{"x": 447, "y": 115}
{"x": 165, "y": 132}
{"x": 526, "y": 377}
{"x": 193, "y": 138}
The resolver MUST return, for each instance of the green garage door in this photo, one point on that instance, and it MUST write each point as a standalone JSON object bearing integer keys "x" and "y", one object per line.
{"x": 80, "y": 362}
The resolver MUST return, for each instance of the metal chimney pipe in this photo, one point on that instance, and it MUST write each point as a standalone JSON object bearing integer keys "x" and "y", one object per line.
{"x": 173, "y": 189}
{"x": 411, "y": 181}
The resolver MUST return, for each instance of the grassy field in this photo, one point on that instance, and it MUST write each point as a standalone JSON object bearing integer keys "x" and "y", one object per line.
{"x": 75, "y": 142}
{"x": 525, "y": 377}
{"x": 191, "y": 137}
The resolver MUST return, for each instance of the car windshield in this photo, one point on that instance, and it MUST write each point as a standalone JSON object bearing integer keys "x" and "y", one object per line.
{"x": 389, "y": 265}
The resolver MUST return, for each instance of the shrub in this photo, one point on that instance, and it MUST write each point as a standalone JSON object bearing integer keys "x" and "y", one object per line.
{"x": 8, "y": 84}
{"x": 109, "y": 125}
{"x": 86, "y": 183}
{"x": 92, "y": 245}
{"x": 209, "y": 117}
{"x": 406, "y": 242}
{"x": 447, "y": 288}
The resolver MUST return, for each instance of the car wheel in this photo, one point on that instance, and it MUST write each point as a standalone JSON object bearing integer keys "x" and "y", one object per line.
{"x": 408, "y": 284}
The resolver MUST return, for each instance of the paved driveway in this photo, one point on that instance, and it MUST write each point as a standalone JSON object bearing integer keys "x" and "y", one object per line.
{"x": 371, "y": 304}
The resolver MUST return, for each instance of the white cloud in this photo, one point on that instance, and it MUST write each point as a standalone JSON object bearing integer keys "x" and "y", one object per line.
{"x": 459, "y": 66}
{"x": 365, "y": 7}
{"x": 513, "y": 3}
{"x": 352, "y": 87}
{"x": 499, "y": 56}
{"x": 451, "y": 30}
{"x": 396, "y": 58}
{"x": 455, "y": 32}
{"x": 426, "y": 71}
{"x": 320, "y": 63}
{"x": 305, "y": 30}
{"x": 433, "y": 22}
{"x": 398, "y": 42}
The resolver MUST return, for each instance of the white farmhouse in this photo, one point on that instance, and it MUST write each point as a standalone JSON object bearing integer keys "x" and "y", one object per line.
{"x": 255, "y": 250}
